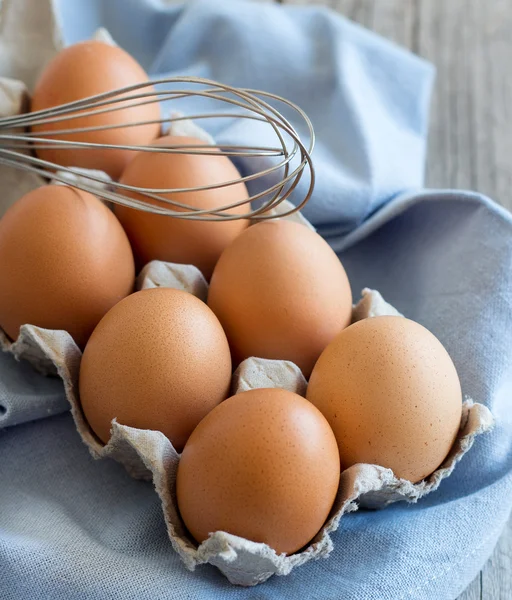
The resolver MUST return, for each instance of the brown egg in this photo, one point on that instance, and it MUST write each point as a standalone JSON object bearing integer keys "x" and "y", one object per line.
{"x": 86, "y": 69}
{"x": 263, "y": 465}
{"x": 280, "y": 292}
{"x": 64, "y": 262}
{"x": 158, "y": 237}
{"x": 158, "y": 360}
{"x": 391, "y": 393}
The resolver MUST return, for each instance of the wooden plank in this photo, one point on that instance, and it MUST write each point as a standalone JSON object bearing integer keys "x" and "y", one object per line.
{"x": 470, "y": 141}
{"x": 471, "y": 128}
{"x": 474, "y": 590}
{"x": 493, "y": 100}
{"x": 497, "y": 574}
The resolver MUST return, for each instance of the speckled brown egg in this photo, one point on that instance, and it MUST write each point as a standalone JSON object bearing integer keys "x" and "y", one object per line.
{"x": 64, "y": 262}
{"x": 158, "y": 360}
{"x": 263, "y": 465}
{"x": 86, "y": 69}
{"x": 280, "y": 292}
{"x": 391, "y": 394}
{"x": 159, "y": 237}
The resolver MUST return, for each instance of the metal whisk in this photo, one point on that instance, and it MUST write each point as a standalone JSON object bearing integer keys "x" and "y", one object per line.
{"x": 247, "y": 104}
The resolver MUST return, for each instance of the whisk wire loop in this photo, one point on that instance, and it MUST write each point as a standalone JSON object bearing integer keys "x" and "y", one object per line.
{"x": 273, "y": 181}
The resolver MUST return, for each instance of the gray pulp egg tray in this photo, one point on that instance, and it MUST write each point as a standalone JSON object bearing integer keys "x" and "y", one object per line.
{"x": 149, "y": 455}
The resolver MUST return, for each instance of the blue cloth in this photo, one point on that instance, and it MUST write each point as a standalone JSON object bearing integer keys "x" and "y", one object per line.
{"x": 73, "y": 528}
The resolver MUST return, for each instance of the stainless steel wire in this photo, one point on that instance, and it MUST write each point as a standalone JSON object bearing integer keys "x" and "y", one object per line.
{"x": 288, "y": 159}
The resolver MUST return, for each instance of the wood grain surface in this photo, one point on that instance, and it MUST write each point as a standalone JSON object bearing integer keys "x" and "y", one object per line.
{"x": 470, "y": 140}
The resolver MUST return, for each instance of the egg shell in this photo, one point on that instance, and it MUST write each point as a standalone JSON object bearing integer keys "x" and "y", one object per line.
{"x": 64, "y": 262}
{"x": 158, "y": 360}
{"x": 391, "y": 393}
{"x": 280, "y": 292}
{"x": 262, "y": 465}
{"x": 86, "y": 69}
{"x": 159, "y": 237}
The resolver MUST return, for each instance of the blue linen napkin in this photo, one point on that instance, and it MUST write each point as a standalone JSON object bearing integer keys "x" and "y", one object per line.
{"x": 74, "y": 528}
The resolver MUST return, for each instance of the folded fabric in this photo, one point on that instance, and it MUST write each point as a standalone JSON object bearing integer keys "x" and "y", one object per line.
{"x": 72, "y": 527}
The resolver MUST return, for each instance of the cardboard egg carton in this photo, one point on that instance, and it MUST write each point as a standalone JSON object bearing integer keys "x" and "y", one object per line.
{"x": 149, "y": 455}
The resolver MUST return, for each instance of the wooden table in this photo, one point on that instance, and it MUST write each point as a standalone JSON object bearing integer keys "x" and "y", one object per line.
{"x": 470, "y": 144}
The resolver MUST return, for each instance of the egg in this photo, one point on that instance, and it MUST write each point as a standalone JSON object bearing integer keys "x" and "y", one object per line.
{"x": 86, "y": 69}
{"x": 158, "y": 360}
{"x": 159, "y": 237}
{"x": 262, "y": 465}
{"x": 64, "y": 262}
{"x": 280, "y": 292}
{"x": 391, "y": 394}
